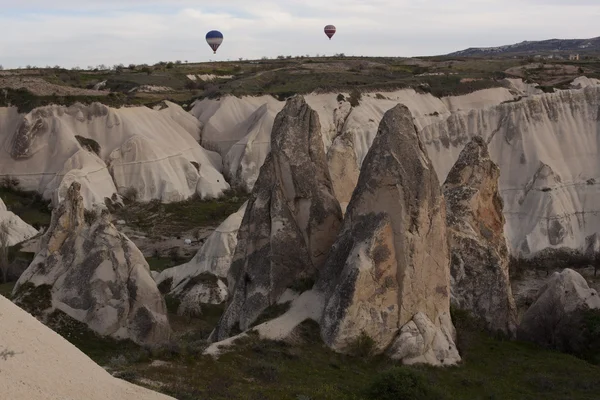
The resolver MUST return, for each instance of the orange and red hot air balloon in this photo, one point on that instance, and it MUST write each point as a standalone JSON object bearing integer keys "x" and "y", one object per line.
{"x": 330, "y": 31}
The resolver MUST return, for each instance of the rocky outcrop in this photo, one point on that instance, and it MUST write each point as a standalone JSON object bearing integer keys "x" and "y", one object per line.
{"x": 154, "y": 152}
{"x": 290, "y": 222}
{"x": 17, "y": 230}
{"x": 203, "y": 280}
{"x": 95, "y": 275}
{"x": 479, "y": 255}
{"x": 387, "y": 275}
{"x": 557, "y": 319}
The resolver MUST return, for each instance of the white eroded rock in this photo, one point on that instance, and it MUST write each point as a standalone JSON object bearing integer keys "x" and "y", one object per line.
{"x": 240, "y": 128}
{"x": 155, "y": 152}
{"x": 95, "y": 275}
{"x": 390, "y": 263}
{"x": 42, "y": 365}
{"x": 546, "y": 147}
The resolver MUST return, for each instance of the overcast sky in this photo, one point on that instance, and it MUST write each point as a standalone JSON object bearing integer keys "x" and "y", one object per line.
{"x": 91, "y": 32}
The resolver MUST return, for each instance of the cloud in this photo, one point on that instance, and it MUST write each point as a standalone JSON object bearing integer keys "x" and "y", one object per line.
{"x": 71, "y": 33}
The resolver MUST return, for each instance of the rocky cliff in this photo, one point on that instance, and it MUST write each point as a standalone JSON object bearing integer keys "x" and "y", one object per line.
{"x": 290, "y": 221}
{"x": 546, "y": 147}
{"x": 154, "y": 153}
{"x": 387, "y": 275}
{"x": 94, "y": 274}
{"x": 479, "y": 255}
{"x": 544, "y": 144}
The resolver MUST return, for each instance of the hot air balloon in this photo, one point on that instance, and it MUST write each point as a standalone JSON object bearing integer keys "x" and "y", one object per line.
{"x": 330, "y": 31}
{"x": 214, "y": 40}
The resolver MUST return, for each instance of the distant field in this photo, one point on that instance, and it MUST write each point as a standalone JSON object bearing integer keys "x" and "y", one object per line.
{"x": 283, "y": 77}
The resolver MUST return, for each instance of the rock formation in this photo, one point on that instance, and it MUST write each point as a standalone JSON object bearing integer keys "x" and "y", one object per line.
{"x": 17, "y": 230}
{"x": 546, "y": 149}
{"x": 290, "y": 222}
{"x": 95, "y": 275}
{"x": 479, "y": 255}
{"x": 557, "y": 318}
{"x": 387, "y": 275}
{"x": 529, "y": 134}
{"x": 108, "y": 151}
{"x": 203, "y": 280}
{"x": 37, "y": 363}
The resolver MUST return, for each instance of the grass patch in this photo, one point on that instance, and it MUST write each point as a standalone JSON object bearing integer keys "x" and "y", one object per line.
{"x": 492, "y": 369}
{"x": 157, "y": 218}
{"x": 6, "y": 289}
{"x": 159, "y": 264}
{"x": 98, "y": 348}
{"x": 28, "y": 205}
{"x": 259, "y": 369}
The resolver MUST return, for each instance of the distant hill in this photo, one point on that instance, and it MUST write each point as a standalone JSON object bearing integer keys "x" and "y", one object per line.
{"x": 542, "y": 47}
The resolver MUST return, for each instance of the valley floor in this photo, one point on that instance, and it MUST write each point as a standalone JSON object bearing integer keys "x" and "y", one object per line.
{"x": 491, "y": 369}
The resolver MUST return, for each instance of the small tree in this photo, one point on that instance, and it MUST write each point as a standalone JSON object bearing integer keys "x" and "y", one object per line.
{"x": 4, "y": 264}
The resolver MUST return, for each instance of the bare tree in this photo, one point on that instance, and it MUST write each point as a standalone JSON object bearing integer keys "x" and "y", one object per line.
{"x": 4, "y": 264}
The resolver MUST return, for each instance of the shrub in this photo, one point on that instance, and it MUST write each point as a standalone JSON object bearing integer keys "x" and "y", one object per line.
{"x": 10, "y": 183}
{"x": 89, "y": 216}
{"x": 354, "y": 98}
{"x": 363, "y": 346}
{"x": 131, "y": 194}
{"x": 340, "y": 98}
{"x": 401, "y": 384}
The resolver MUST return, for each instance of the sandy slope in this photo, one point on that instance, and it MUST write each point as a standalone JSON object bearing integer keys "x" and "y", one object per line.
{"x": 38, "y": 364}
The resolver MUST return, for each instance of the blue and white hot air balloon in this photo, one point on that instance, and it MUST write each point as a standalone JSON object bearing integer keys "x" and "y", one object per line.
{"x": 214, "y": 40}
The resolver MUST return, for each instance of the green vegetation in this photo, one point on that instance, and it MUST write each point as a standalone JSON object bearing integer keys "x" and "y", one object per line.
{"x": 34, "y": 299}
{"x": 6, "y": 289}
{"x": 402, "y": 384}
{"x": 28, "y": 205}
{"x": 286, "y": 76}
{"x": 159, "y": 264}
{"x": 155, "y": 217}
{"x": 26, "y": 101}
{"x": 491, "y": 368}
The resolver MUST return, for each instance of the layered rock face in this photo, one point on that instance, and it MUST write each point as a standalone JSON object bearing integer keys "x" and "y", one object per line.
{"x": 17, "y": 230}
{"x": 388, "y": 274}
{"x": 291, "y": 219}
{"x": 203, "y": 280}
{"x": 546, "y": 147}
{"x": 479, "y": 255}
{"x": 557, "y": 318}
{"x": 108, "y": 151}
{"x": 95, "y": 275}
